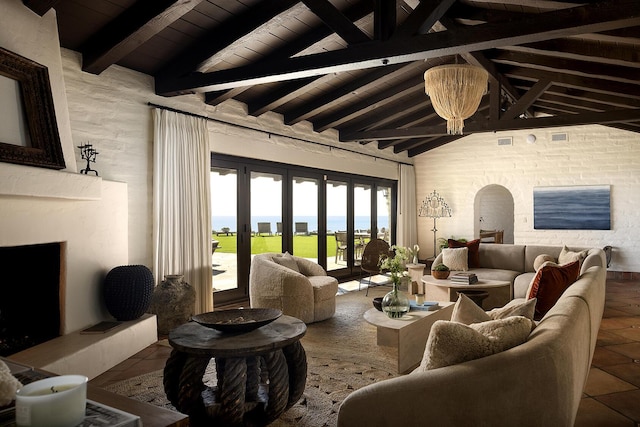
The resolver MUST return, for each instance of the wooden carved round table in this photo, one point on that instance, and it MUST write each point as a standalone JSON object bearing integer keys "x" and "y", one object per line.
{"x": 260, "y": 374}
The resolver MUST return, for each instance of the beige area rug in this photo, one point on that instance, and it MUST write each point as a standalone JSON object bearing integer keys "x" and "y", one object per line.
{"x": 342, "y": 356}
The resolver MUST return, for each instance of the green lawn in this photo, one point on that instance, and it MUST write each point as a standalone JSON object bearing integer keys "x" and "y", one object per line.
{"x": 304, "y": 246}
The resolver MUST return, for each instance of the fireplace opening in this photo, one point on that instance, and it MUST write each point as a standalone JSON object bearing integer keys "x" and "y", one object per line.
{"x": 30, "y": 295}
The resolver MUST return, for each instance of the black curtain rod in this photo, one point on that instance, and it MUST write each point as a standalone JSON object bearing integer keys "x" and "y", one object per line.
{"x": 151, "y": 104}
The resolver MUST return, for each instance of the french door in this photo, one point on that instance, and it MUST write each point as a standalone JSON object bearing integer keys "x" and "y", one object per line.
{"x": 260, "y": 207}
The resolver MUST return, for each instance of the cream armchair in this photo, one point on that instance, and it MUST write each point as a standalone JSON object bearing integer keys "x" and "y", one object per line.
{"x": 297, "y": 286}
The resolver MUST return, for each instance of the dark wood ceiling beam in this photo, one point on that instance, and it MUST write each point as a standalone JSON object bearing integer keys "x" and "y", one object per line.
{"x": 602, "y": 98}
{"x": 397, "y": 111}
{"x": 568, "y": 66}
{"x": 336, "y": 21}
{"x": 311, "y": 108}
{"x": 281, "y": 95}
{"x": 586, "y": 50}
{"x": 129, "y": 30}
{"x": 40, "y": 6}
{"x": 223, "y": 35}
{"x": 215, "y": 98}
{"x": 580, "y": 82}
{"x": 526, "y": 100}
{"x": 369, "y": 104}
{"x": 435, "y": 143}
{"x": 410, "y": 144}
{"x": 501, "y": 125}
{"x": 384, "y": 19}
{"x": 495, "y": 98}
{"x": 583, "y": 104}
{"x": 423, "y": 17}
{"x": 601, "y": 16}
{"x": 301, "y": 42}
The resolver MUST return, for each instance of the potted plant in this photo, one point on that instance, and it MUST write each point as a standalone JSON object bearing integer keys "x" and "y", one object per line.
{"x": 440, "y": 271}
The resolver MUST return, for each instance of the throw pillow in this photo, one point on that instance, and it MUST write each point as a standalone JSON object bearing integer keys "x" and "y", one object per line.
{"x": 541, "y": 259}
{"x": 549, "y": 283}
{"x": 466, "y": 311}
{"x": 455, "y": 259}
{"x": 286, "y": 260}
{"x": 566, "y": 256}
{"x": 474, "y": 250}
{"x": 450, "y": 343}
{"x": 517, "y": 307}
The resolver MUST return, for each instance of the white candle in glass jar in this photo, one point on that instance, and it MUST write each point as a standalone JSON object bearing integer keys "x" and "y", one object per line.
{"x": 52, "y": 402}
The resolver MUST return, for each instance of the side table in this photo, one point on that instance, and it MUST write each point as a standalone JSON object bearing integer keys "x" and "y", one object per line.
{"x": 260, "y": 374}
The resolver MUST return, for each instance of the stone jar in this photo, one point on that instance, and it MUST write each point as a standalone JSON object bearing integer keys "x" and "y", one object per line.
{"x": 173, "y": 303}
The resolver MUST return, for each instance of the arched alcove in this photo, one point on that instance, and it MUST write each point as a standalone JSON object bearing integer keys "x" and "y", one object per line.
{"x": 493, "y": 210}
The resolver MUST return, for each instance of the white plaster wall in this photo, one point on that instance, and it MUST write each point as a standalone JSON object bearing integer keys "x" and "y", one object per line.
{"x": 593, "y": 155}
{"x": 94, "y": 230}
{"x": 40, "y": 205}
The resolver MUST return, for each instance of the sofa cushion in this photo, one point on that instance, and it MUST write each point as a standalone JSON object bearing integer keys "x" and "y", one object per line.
{"x": 466, "y": 311}
{"x": 456, "y": 259}
{"x": 473, "y": 254}
{"x": 541, "y": 259}
{"x": 286, "y": 260}
{"x": 450, "y": 343}
{"x": 549, "y": 283}
{"x": 566, "y": 256}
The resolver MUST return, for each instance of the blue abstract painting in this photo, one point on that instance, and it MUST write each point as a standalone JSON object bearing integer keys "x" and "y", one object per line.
{"x": 572, "y": 208}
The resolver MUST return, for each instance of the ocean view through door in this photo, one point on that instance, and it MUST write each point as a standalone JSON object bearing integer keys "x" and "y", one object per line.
{"x": 260, "y": 207}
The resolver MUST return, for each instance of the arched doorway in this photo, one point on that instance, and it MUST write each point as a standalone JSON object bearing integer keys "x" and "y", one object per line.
{"x": 493, "y": 210}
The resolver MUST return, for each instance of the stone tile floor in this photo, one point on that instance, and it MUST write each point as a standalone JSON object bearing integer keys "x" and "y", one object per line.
{"x": 611, "y": 396}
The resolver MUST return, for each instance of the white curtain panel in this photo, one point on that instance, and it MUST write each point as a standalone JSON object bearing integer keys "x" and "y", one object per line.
{"x": 181, "y": 202}
{"x": 407, "y": 207}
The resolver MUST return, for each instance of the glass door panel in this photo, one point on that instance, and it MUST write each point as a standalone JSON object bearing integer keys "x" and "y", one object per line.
{"x": 266, "y": 212}
{"x": 384, "y": 213}
{"x": 362, "y": 219}
{"x": 224, "y": 223}
{"x": 336, "y": 208}
{"x": 305, "y": 217}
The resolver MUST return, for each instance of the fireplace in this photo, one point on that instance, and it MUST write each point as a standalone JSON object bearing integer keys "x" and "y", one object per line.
{"x": 31, "y": 291}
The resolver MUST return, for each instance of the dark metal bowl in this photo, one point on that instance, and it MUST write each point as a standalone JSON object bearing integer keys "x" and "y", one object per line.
{"x": 377, "y": 303}
{"x": 237, "y": 319}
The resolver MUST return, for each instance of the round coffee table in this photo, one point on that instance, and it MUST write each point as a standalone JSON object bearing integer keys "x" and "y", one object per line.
{"x": 499, "y": 291}
{"x": 260, "y": 374}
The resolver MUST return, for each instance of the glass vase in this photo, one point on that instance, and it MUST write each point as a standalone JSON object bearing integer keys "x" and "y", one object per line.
{"x": 395, "y": 304}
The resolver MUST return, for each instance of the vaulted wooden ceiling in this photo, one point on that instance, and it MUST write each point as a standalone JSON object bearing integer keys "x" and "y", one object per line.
{"x": 357, "y": 65}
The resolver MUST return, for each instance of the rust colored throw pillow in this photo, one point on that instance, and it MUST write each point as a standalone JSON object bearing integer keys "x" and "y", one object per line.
{"x": 549, "y": 283}
{"x": 474, "y": 250}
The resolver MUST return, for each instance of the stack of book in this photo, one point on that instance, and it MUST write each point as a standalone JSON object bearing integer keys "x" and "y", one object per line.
{"x": 464, "y": 278}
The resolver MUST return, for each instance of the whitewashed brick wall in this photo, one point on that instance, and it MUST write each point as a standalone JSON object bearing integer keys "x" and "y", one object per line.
{"x": 593, "y": 155}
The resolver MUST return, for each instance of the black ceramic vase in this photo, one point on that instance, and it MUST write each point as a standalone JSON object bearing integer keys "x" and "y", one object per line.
{"x": 128, "y": 290}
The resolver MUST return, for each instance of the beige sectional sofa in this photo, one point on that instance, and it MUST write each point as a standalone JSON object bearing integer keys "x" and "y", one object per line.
{"x": 537, "y": 383}
{"x": 514, "y": 263}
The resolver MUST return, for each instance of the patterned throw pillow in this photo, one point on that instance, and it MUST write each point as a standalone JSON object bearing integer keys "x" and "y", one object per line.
{"x": 455, "y": 259}
{"x": 450, "y": 343}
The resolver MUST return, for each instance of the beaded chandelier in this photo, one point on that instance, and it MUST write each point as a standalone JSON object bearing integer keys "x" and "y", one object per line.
{"x": 455, "y": 91}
